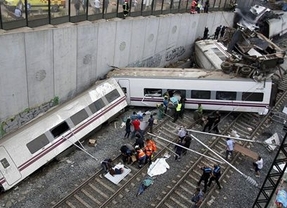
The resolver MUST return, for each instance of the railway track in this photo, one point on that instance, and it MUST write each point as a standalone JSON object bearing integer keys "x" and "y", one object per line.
{"x": 97, "y": 192}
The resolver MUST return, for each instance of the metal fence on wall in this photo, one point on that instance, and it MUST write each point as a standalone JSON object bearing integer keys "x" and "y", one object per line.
{"x": 34, "y": 13}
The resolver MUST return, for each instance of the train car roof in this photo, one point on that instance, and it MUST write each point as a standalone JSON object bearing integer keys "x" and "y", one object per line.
{"x": 173, "y": 73}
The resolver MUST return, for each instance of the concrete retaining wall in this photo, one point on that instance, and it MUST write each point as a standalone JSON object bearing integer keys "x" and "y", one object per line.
{"x": 38, "y": 65}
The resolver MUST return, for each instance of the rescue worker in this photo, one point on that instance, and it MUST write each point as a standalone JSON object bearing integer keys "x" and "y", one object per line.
{"x": 127, "y": 151}
{"x": 141, "y": 156}
{"x": 126, "y": 8}
{"x": 186, "y": 143}
{"x": 177, "y": 111}
{"x": 193, "y": 6}
{"x": 209, "y": 124}
{"x": 139, "y": 141}
{"x": 178, "y": 149}
{"x": 216, "y": 122}
{"x": 150, "y": 148}
{"x": 216, "y": 173}
{"x": 106, "y": 166}
{"x": 160, "y": 111}
{"x": 198, "y": 114}
{"x": 165, "y": 103}
{"x": 206, "y": 172}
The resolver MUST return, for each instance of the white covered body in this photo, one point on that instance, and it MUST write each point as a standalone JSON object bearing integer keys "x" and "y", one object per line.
{"x": 26, "y": 150}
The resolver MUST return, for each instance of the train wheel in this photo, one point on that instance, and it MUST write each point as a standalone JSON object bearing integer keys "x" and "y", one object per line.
{"x": 226, "y": 67}
{"x": 245, "y": 71}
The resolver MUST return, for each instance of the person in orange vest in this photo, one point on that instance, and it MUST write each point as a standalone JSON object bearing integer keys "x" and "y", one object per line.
{"x": 141, "y": 156}
{"x": 193, "y": 7}
{"x": 150, "y": 148}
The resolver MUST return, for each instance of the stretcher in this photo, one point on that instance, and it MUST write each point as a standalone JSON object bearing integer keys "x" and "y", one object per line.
{"x": 117, "y": 178}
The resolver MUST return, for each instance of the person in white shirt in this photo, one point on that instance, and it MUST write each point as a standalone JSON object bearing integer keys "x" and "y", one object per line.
{"x": 258, "y": 165}
{"x": 97, "y": 5}
{"x": 18, "y": 12}
{"x": 229, "y": 148}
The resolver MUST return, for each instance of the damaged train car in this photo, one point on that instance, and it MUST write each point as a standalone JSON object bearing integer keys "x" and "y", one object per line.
{"x": 241, "y": 51}
{"x": 269, "y": 22}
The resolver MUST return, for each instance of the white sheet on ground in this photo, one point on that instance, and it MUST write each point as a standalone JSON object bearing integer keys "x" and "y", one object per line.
{"x": 274, "y": 139}
{"x": 117, "y": 178}
{"x": 158, "y": 167}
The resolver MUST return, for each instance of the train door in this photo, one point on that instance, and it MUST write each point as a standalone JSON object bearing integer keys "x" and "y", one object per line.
{"x": 8, "y": 168}
{"x": 125, "y": 85}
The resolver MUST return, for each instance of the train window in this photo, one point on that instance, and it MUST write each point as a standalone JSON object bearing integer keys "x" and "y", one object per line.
{"x": 113, "y": 95}
{"x": 252, "y": 96}
{"x": 37, "y": 143}
{"x": 5, "y": 163}
{"x": 97, "y": 105}
{"x": 224, "y": 95}
{"x": 60, "y": 129}
{"x": 151, "y": 92}
{"x": 219, "y": 53}
{"x": 200, "y": 94}
{"x": 179, "y": 93}
{"x": 79, "y": 117}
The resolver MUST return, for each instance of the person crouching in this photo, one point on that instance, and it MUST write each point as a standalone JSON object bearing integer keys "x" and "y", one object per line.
{"x": 141, "y": 156}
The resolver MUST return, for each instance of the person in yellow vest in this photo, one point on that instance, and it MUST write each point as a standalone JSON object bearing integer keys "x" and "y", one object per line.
{"x": 177, "y": 111}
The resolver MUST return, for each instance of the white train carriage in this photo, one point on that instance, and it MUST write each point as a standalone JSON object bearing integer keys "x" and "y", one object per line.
{"x": 213, "y": 89}
{"x": 24, "y": 151}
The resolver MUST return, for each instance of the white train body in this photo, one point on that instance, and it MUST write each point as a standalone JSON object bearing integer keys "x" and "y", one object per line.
{"x": 213, "y": 89}
{"x": 24, "y": 151}
{"x": 277, "y": 26}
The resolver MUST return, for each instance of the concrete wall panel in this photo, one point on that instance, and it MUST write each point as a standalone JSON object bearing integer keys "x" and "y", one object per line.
{"x": 150, "y": 37}
{"x": 65, "y": 61}
{"x": 123, "y": 41}
{"x": 41, "y": 64}
{"x": 13, "y": 80}
{"x": 39, "y": 59}
{"x": 87, "y": 44}
{"x": 162, "y": 40}
{"x": 137, "y": 41}
{"x": 106, "y": 43}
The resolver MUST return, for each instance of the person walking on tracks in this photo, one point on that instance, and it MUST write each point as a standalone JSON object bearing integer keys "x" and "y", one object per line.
{"x": 128, "y": 128}
{"x": 229, "y": 148}
{"x": 206, "y": 172}
{"x": 216, "y": 173}
{"x": 216, "y": 122}
{"x": 258, "y": 165}
{"x": 209, "y": 124}
{"x": 186, "y": 143}
{"x": 150, "y": 124}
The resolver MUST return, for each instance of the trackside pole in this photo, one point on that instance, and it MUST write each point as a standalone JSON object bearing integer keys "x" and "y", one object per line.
{"x": 210, "y": 158}
{"x": 81, "y": 148}
{"x": 235, "y": 138}
{"x": 248, "y": 178}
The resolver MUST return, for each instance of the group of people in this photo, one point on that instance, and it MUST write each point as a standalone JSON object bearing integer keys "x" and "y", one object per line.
{"x": 135, "y": 121}
{"x": 184, "y": 140}
{"x": 197, "y": 6}
{"x": 142, "y": 151}
{"x": 219, "y": 32}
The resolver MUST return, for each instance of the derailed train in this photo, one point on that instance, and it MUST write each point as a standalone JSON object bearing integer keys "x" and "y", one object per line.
{"x": 35, "y": 144}
{"x": 213, "y": 89}
{"x": 24, "y": 151}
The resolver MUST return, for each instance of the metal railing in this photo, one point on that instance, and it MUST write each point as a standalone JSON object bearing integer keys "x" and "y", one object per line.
{"x": 34, "y": 13}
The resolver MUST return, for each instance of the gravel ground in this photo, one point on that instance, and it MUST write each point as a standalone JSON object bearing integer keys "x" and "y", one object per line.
{"x": 58, "y": 178}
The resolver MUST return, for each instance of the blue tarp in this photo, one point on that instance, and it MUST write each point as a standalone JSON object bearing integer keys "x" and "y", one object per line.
{"x": 282, "y": 198}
